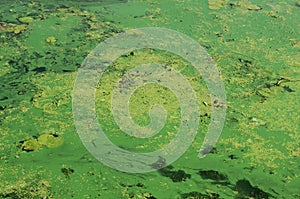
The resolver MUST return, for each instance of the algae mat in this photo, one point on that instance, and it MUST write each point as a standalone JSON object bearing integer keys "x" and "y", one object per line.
{"x": 256, "y": 46}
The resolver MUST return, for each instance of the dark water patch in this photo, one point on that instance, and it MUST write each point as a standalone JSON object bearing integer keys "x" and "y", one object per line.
{"x": 15, "y": 87}
{"x": 246, "y": 190}
{"x": 288, "y": 89}
{"x": 175, "y": 176}
{"x": 40, "y": 69}
{"x": 212, "y": 175}
{"x": 67, "y": 172}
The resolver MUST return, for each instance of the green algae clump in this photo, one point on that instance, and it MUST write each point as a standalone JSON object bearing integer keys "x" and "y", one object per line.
{"x": 216, "y": 4}
{"x": 12, "y": 28}
{"x": 36, "y": 143}
{"x": 25, "y": 19}
{"x": 31, "y": 145}
{"x": 51, "y": 40}
{"x": 50, "y": 141}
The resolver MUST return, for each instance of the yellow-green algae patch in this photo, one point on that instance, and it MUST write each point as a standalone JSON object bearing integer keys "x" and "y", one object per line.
{"x": 216, "y": 4}
{"x": 26, "y": 19}
{"x": 12, "y": 28}
{"x": 24, "y": 183}
{"x": 31, "y": 145}
{"x": 146, "y": 96}
{"x": 51, "y": 39}
{"x": 48, "y": 140}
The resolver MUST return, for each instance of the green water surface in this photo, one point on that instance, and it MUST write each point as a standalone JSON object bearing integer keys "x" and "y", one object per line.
{"x": 256, "y": 47}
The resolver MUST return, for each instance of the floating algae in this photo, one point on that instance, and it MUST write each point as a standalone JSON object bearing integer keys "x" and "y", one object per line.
{"x": 12, "y": 28}
{"x": 51, "y": 40}
{"x": 31, "y": 145}
{"x": 48, "y": 140}
{"x": 26, "y": 19}
{"x": 216, "y": 4}
{"x": 249, "y": 160}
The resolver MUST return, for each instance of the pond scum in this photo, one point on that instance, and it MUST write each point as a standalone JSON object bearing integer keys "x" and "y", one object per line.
{"x": 256, "y": 45}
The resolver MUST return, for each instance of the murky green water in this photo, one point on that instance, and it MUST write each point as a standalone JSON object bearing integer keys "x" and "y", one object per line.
{"x": 256, "y": 46}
